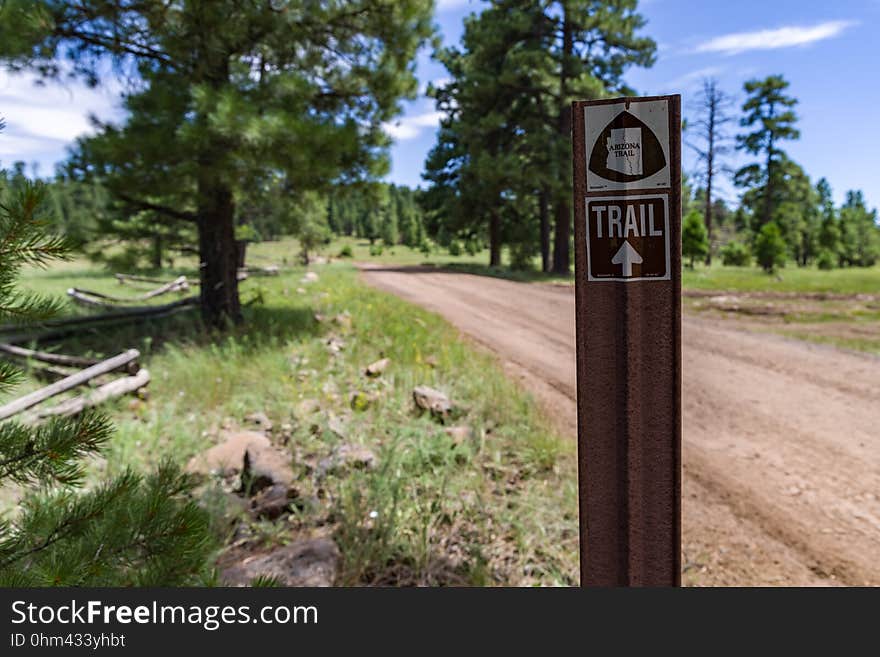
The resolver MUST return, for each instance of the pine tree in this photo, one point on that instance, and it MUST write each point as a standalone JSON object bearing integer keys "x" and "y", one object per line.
{"x": 130, "y": 531}
{"x": 224, "y": 88}
{"x": 503, "y": 155}
{"x": 694, "y": 237}
{"x": 769, "y": 112}
{"x": 860, "y": 234}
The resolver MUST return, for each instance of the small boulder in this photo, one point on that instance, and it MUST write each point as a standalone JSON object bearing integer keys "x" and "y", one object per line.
{"x": 265, "y": 466}
{"x": 335, "y": 345}
{"x": 305, "y": 562}
{"x": 459, "y": 434}
{"x": 227, "y": 458}
{"x": 376, "y": 369}
{"x": 310, "y": 277}
{"x": 343, "y": 319}
{"x": 347, "y": 456}
{"x": 271, "y": 502}
{"x": 307, "y": 407}
{"x": 260, "y": 419}
{"x": 428, "y": 399}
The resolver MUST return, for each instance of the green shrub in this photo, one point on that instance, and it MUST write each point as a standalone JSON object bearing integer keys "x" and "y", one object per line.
{"x": 735, "y": 254}
{"x": 770, "y": 248}
{"x": 455, "y": 248}
{"x": 425, "y": 248}
{"x": 472, "y": 247}
{"x": 825, "y": 260}
{"x": 346, "y": 252}
{"x": 694, "y": 238}
{"x": 376, "y": 250}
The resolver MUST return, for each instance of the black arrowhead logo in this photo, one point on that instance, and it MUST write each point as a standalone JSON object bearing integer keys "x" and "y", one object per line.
{"x": 652, "y": 158}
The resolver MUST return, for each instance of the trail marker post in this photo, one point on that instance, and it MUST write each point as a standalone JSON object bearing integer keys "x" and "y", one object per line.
{"x": 627, "y": 217}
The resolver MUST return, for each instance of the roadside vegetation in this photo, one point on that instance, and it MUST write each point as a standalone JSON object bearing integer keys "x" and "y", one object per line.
{"x": 491, "y": 501}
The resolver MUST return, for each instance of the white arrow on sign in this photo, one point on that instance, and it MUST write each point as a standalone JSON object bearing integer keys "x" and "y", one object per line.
{"x": 626, "y": 256}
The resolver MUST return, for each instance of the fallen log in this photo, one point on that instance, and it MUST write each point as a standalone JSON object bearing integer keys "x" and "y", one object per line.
{"x": 76, "y": 405}
{"x": 46, "y": 357}
{"x": 68, "y": 383}
{"x": 71, "y": 325}
{"x": 126, "y": 278}
{"x": 177, "y": 285}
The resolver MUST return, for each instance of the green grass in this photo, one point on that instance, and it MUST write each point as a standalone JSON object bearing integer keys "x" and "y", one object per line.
{"x": 499, "y": 508}
{"x": 853, "y": 280}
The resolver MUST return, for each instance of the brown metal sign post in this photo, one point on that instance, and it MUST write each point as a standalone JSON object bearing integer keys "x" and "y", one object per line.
{"x": 627, "y": 200}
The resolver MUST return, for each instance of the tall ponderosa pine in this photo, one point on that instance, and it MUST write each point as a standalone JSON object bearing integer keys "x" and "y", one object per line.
{"x": 768, "y": 112}
{"x": 507, "y": 135}
{"x": 223, "y": 88}
{"x": 130, "y": 531}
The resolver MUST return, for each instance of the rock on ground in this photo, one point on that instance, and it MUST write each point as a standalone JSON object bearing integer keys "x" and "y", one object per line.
{"x": 305, "y": 562}
{"x": 432, "y": 400}
{"x": 376, "y": 369}
{"x": 227, "y": 458}
{"x": 356, "y": 456}
{"x": 265, "y": 466}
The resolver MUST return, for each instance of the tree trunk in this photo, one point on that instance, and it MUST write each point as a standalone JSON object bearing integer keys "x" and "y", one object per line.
{"x": 218, "y": 254}
{"x": 545, "y": 229}
{"x": 157, "y": 252}
{"x": 494, "y": 239}
{"x": 710, "y": 171}
{"x": 241, "y": 245}
{"x": 562, "y": 235}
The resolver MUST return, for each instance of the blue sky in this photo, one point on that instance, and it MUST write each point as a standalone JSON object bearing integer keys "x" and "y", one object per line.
{"x": 828, "y": 51}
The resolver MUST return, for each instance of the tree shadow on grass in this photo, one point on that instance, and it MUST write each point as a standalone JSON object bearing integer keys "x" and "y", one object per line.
{"x": 263, "y": 326}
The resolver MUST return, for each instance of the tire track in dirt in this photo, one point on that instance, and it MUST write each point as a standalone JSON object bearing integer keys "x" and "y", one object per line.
{"x": 780, "y": 446}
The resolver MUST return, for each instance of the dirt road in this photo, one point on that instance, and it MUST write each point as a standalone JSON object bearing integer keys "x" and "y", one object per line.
{"x": 781, "y": 443}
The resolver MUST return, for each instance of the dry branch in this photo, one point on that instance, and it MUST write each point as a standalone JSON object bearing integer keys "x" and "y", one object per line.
{"x": 72, "y": 381}
{"x": 125, "y": 278}
{"x": 179, "y": 284}
{"x": 72, "y": 325}
{"x": 46, "y": 357}
{"x": 115, "y": 388}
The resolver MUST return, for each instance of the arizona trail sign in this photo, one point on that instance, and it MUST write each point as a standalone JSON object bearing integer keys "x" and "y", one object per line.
{"x": 627, "y": 201}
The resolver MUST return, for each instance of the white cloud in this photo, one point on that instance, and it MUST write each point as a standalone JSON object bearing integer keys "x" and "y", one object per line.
{"x": 689, "y": 80}
{"x": 42, "y": 120}
{"x": 409, "y": 127}
{"x": 450, "y": 5}
{"x": 783, "y": 37}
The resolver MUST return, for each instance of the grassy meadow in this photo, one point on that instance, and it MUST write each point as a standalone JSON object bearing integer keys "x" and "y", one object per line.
{"x": 496, "y": 505}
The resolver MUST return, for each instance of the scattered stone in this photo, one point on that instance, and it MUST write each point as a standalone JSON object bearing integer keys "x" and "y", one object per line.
{"x": 227, "y": 458}
{"x": 376, "y": 369}
{"x": 432, "y": 400}
{"x": 286, "y": 432}
{"x": 260, "y": 419}
{"x": 343, "y": 319}
{"x": 318, "y": 260}
{"x": 344, "y": 456}
{"x": 337, "y": 426}
{"x": 305, "y": 562}
{"x": 335, "y": 345}
{"x": 273, "y": 501}
{"x": 300, "y": 290}
{"x": 265, "y": 466}
{"x": 459, "y": 434}
{"x": 310, "y": 277}
{"x": 307, "y": 407}
{"x": 320, "y": 318}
